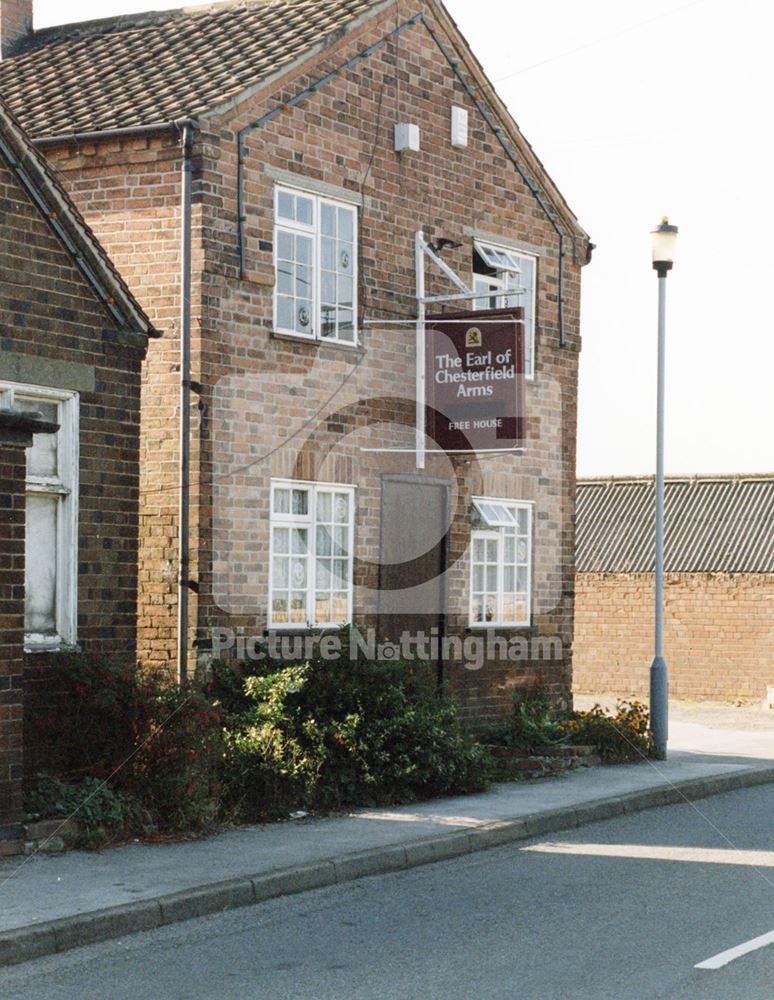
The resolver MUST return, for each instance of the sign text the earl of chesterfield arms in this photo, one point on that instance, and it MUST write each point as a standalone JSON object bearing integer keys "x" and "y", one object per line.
{"x": 474, "y": 379}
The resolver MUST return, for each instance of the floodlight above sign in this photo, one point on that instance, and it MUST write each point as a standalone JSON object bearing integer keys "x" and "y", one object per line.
{"x": 474, "y": 379}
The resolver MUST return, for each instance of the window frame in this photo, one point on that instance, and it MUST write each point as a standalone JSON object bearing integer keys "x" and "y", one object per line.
{"x": 65, "y": 485}
{"x": 498, "y": 534}
{"x": 290, "y": 520}
{"x": 500, "y": 281}
{"x": 314, "y": 231}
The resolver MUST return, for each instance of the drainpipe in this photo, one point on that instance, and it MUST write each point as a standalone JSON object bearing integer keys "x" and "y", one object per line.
{"x": 185, "y": 407}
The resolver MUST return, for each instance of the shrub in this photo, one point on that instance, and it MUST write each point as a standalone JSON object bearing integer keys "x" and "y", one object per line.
{"x": 153, "y": 739}
{"x": 100, "y": 812}
{"x": 619, "y": 737}
{"x": 176, "y": 769}
{"x": 532, "y": 725}
{"x": 329, "y": 734}
{"x": 225, "y": 687}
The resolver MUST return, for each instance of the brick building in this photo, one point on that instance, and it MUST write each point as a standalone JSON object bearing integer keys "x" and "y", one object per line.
{"x": 719, "y": 590}
{"x": 284, "y": 280}
{"x": 72, "y": 339}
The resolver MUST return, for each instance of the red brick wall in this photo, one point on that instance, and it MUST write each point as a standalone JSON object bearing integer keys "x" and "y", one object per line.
{"x": 15, "y": 20}
{"x": 342, "y": 135}
{"x": 129, "y": 193}
{"x": 718, "y": 634}
{"x": 50, "y": 312}
{"x": 12, "y": 475}
{"x": 259, "y": 389}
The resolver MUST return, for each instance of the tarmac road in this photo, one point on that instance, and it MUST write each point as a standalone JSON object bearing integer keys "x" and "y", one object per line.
{"x": 621, "y": 910}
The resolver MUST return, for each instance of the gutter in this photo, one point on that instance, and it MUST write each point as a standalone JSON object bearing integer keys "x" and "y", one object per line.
{"x": 75, "y": 138}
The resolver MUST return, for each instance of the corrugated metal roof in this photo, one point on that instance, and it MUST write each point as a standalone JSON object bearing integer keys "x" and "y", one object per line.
{"x": 713, "y": 524}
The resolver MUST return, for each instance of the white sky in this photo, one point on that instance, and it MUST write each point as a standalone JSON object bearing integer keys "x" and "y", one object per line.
{"x": 640, "y": 110}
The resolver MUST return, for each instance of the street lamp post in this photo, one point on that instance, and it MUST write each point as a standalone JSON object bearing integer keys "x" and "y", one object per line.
{"x": 663, "y": 240}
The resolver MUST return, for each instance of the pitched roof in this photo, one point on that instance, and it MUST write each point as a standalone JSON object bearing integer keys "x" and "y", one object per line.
{"x": 35, "y": 175}
{"x": 163, "y": 67}
{"x": 160, "y": 66}
{"x": 714, "y": 524}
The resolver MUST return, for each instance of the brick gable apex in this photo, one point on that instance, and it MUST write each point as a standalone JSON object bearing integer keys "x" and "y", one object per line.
{"x": 57, "y": 211}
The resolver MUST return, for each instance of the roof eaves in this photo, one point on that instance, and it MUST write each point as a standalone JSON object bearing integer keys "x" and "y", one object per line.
{"x": 102, "y": 135}
{"x": 688, "y": 477}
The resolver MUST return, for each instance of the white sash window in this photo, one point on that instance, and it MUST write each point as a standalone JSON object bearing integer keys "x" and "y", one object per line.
{"x": 51, "y": 531}
{"x": 312, "y": 539}
{"x": 315, "y": 252}
{"x": 501, "y": 562}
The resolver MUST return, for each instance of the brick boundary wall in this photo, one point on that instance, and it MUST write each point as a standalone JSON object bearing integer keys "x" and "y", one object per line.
{"x": 718, "y": 634}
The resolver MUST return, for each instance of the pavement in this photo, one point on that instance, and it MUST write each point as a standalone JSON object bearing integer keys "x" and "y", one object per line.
{"x": 51, "y": 903}
{"x": 640, "y": 906}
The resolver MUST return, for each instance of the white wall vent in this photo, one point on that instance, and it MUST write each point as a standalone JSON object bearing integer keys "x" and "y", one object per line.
{"x": 406, "y": 138}
{"x": 459, "y": 127}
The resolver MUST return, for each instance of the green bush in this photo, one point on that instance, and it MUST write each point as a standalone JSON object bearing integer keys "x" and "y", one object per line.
{"x": 622, "y": 736}
{"x": 532, "y": 725}
{"x": 319, "y": 735}
{"x": 153, "y": 739}
{"x": 101, "y": 813}
{"x": 225, "y": 686}
{"x": 332, "y": 734}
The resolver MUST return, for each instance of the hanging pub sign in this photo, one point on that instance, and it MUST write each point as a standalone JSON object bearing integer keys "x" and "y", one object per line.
{"x": 474, "y": 380}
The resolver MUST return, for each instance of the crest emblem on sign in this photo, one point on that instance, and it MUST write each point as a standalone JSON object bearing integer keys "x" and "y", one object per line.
{"x": 473, "y": 337}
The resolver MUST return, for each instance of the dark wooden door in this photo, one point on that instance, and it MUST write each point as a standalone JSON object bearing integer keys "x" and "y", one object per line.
{"x": 412, "y": 593}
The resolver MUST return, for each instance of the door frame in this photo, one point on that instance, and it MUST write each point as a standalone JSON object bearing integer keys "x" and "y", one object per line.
{"x": 418, "y": 479}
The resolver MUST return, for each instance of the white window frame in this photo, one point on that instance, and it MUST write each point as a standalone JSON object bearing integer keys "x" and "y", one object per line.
{"x": 495, "y": 531}
{"x": 309, "y": 520}
{"x": 15, "y": 395}
{"x": 508, "y": 278}
{"x": 314, "y": 230}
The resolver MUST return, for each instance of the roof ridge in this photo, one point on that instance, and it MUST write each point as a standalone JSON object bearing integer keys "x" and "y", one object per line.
{"x": 713, "y": 477}
{"x": 120, "y": 22}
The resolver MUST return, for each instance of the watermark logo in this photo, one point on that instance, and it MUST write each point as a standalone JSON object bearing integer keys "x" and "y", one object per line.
{"x": 472, "y": 652}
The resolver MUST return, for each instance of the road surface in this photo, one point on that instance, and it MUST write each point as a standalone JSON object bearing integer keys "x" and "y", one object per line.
{"x": 622, "y": 910}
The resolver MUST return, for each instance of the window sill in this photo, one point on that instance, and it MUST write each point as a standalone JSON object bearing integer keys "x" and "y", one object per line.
{"x": 55, "y": 644}
{"x": 325, "y": 345}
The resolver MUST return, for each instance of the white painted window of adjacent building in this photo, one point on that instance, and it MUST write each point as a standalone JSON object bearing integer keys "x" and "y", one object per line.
{"x": 315, "y": 252}
{"x": 501, "y": 562}
{"x": 312, "y": 541}
{"x": 499, "y": 269}
{"x": 51, "y": 535}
